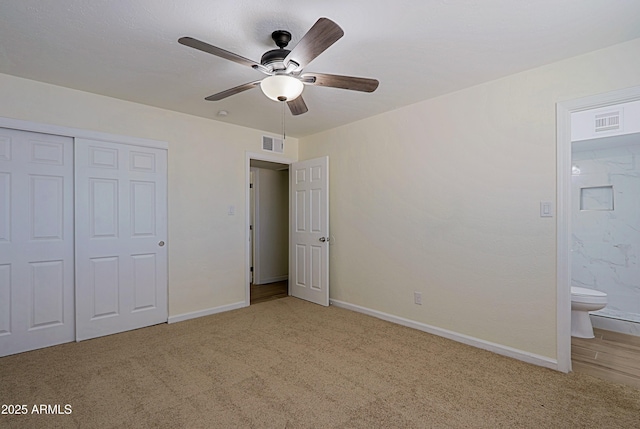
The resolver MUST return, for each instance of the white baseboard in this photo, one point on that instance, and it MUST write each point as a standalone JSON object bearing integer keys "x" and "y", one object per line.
{"x": 273, "y": 279}
{"x": 208, "y": 312}
{"x": 461, "y": 338}
{"x": 615, "y": 325}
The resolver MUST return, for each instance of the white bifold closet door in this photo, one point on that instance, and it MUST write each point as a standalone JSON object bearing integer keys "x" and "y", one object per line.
{"x": 36, "y": 241}
{"x": 121, "y": 230}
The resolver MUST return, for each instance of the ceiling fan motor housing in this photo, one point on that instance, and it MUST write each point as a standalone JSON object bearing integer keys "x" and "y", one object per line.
{"x": 275, "y": 58}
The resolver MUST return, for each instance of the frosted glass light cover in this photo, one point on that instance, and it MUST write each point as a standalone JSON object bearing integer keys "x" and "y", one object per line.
{"x": 281, "y": 86}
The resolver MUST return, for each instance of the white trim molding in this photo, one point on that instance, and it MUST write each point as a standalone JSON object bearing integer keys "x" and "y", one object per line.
{"x": 59, "y": 130}
{"x": 275, "y": 279}
{"x": 563, "y": 155}
{"x": 207, "y": 312}
{"x": 500, "y": 349}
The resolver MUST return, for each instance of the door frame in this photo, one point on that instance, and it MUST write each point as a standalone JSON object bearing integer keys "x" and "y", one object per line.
{"x": 563, "y": 244}
{"x": 258, "y": 157}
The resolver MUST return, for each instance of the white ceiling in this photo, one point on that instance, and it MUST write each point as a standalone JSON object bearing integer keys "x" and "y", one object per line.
{"x": 417, "y": 49}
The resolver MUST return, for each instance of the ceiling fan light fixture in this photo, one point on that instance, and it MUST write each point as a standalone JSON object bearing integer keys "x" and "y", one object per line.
{"x": 286, "y": 81}
{"x": 281, "y": 87}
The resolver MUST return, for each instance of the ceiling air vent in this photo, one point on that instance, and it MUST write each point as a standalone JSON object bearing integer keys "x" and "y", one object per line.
{"x": 272, "y": 144}
{"x": 607, "y": 121}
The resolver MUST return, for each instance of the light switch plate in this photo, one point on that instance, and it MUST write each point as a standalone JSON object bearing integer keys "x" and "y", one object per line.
{"x": 546, "y": 209}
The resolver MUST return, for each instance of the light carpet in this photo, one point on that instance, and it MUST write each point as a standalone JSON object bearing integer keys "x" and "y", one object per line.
{"x": 292, "y": 364}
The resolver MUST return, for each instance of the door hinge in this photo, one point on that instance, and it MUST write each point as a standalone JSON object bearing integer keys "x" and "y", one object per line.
{"x": 250, "y": 227}
{"x": 250, "y": 185}
{"x": 251, "y": 269}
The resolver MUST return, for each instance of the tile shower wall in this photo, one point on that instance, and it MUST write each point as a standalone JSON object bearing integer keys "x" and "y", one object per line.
{"x": 606, "y": 225}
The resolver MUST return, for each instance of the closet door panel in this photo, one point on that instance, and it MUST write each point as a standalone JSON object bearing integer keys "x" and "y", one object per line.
{"x": 121, "y": 230}
{"x": 36, "y": 241}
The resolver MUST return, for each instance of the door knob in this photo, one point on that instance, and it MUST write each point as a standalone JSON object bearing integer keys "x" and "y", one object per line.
{"x": 161, "y": 243}
{"x": 323, "y": 239}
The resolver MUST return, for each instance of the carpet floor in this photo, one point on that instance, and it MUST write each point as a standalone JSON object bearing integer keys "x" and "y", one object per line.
{"x": 291, "y": 364}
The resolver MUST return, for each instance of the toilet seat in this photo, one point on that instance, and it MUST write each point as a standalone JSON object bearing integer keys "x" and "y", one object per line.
{"x": 581, "y": 291}
{"x": 587, "y": 296}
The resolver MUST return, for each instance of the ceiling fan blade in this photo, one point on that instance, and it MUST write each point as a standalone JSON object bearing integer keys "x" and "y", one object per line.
{"x": 337, "y": 81}
{"x": 219, "y": 52}
{"x": 297, "y": 106}
{"x": 320, "y": 36}
{"x": 229, "y": 92}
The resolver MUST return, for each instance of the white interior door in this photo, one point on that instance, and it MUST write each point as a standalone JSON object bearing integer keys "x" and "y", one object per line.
{"x": 309, "y": 242}
{"x": 121, "y": 230}
{"x": 36, "y": 241}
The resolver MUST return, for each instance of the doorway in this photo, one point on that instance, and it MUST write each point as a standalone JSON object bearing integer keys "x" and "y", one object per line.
{"x": 268, "y": 228}
{"x": 564, "y": 203}
{"x": 308, "y": 219}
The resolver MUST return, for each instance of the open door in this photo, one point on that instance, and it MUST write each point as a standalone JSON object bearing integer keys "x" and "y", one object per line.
{"x": 309, "y": 234}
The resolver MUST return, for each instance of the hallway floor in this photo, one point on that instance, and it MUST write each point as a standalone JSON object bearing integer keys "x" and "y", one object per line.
{"x": 267, "y": 292}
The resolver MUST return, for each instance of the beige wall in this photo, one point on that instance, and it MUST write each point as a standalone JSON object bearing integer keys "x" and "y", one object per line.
{"x": 271, "y": 225}
{"x": 442, "y": 197}
{"x": 206, "y": 175}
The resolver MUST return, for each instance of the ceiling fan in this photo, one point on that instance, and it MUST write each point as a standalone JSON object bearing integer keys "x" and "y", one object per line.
{"x": 286, "y": 80}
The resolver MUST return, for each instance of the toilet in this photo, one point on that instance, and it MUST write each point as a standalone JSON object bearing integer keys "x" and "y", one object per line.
{"x": 583, "y": 301}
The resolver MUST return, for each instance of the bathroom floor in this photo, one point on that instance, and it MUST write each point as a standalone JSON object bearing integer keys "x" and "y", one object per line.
{"x": 610, "y": 356}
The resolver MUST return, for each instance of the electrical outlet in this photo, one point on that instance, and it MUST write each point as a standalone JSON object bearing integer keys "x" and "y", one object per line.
{"x": 417, "y": 298}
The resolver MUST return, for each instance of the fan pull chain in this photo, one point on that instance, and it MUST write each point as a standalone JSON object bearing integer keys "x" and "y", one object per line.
{"x": 283, "y": 115}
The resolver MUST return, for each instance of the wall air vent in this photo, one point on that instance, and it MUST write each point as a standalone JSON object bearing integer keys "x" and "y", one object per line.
{"x": 607, "y": 121}
{"x": 272, "y": 144}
